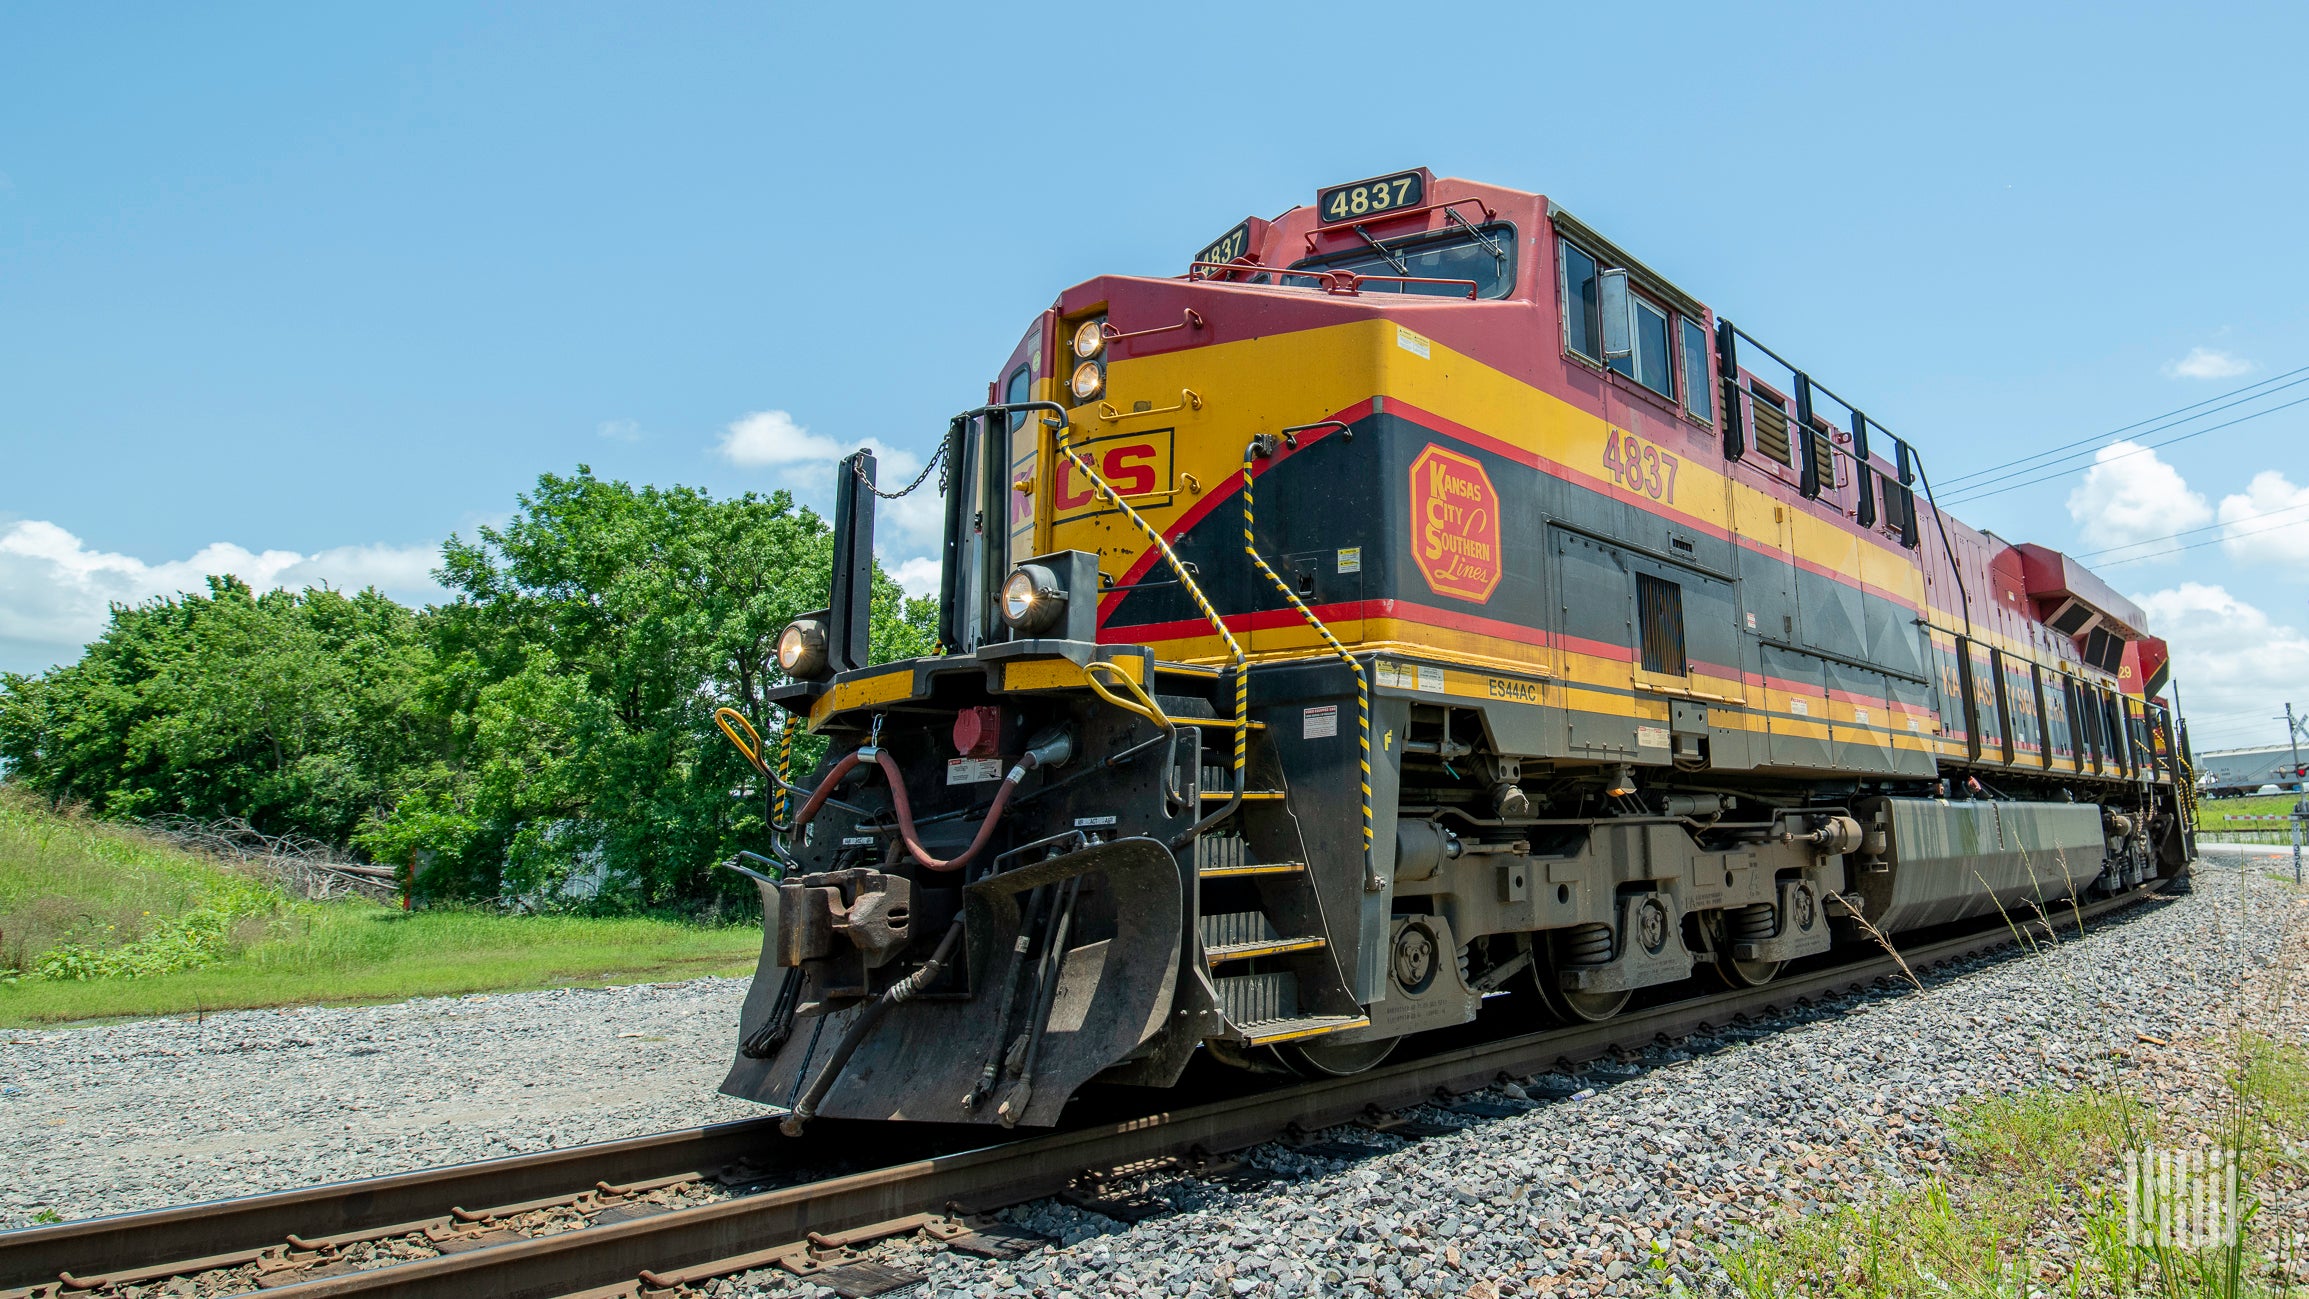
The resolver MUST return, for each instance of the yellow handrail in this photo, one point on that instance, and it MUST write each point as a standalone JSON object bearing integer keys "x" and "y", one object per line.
{"x": 1107, "y": 493}
{"x": 1372, "y": 882}
{"x": 723, "y": 717}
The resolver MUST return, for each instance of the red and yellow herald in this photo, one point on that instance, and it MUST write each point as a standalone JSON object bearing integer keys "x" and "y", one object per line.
{"x": 1455, "y": 516}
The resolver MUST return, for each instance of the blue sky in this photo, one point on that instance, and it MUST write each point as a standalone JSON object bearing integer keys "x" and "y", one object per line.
{"x": 299, "y": 290}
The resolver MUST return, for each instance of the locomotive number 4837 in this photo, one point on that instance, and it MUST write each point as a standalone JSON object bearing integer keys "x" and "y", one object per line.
{"x": 1366, "y": 198}
{"x": 1640, "y": 466}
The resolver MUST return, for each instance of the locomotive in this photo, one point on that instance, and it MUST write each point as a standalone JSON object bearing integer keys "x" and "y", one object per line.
{"x": 1417, "y": 602}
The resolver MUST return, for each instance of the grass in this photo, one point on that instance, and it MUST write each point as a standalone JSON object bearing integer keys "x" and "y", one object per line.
{"x": 99, "y": 922}
{"x": 2032, "y": 1205}
{"x": 2221, "y": 814}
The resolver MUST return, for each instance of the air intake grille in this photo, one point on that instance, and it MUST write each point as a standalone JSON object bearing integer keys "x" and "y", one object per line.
{"x": 1771, "y": 421}
{"x": 1661, "y": 605}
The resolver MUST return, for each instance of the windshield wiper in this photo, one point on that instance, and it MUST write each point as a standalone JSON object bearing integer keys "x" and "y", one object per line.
{"x": 1401, "y": 267}
{"x": 1490, "y": 245}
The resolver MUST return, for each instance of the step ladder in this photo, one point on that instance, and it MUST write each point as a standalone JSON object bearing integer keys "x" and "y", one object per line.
{"x": 1259, "y": 918}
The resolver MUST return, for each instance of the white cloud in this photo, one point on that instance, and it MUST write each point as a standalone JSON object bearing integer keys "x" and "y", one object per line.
{"x": 771, "y": 439}
{"x": 2130, "y": 494}
{"x": 2267, "y": 523}
{"x": 919, "y": 576}
{"x": 803, "y": 462}
{"x": 2232, "y": 661}
{"x": 620, "y": 430}
{"x": 2208, "y": 363}
{"x": 55, "y": 592}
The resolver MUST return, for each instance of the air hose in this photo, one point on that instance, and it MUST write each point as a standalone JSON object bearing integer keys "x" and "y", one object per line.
{"x": 1052, "y": 752}
{"x": 901, "y": 991}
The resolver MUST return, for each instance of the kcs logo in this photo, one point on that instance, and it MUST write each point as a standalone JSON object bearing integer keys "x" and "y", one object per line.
{"x": 1137, "y": 464}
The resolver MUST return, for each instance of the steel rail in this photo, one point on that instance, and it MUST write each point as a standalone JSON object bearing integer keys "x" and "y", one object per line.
{"x": 651, "y": 1255}
{"x": 37, "y": 1255}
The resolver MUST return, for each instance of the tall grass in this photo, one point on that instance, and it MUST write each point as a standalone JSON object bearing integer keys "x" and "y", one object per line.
{"x": 69, "y": 883}
{"x": 101, "y": 921}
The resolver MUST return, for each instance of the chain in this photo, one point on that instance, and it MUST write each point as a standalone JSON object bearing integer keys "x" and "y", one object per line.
{"x": 859, "y": 468}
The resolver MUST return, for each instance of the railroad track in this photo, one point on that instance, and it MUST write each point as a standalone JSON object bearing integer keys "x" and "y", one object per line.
{"x": 640, "y": 1225}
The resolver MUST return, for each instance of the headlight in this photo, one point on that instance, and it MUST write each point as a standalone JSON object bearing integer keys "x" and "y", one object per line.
{"x": 802, "y": 649}
{"x": 1090, "y": 339}
{"x": 1089, "y": 380}
{"x": 1032, "y": 600}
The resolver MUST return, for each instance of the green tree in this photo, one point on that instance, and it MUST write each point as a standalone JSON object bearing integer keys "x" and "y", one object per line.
{"x": 591, "y": 640}
{"x": 554, "y": 720}
{"x": 292, "y": 710}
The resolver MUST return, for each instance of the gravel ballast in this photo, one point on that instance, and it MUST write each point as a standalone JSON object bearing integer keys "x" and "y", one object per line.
{"x": 1614, "y": 1183}
{"x": 1620, "y": 1180}
{"x": 158, "y": 1112}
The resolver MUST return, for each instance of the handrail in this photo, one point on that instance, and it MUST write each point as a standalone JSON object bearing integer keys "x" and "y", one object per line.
{"x": 1189, "y": 399}
{"x": 1356, "y": 281}
{"x": 723, "y": 717}
{"x": 1339, "y": 283}
{"x": 1264, "y": 445}
{"x": 1192, "y": 320}
{"x": 1145, "y": 707}
{"x": 1107, "y": 492}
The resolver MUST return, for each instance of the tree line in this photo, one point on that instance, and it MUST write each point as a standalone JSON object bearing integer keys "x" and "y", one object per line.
{"x": 552, "y": 721}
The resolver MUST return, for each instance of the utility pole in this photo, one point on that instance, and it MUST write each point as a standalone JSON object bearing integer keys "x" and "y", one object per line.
{"x": 2301, "y": 792}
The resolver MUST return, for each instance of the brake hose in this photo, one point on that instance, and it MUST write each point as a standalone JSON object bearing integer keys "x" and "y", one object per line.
{"x": 1051, "y": 753}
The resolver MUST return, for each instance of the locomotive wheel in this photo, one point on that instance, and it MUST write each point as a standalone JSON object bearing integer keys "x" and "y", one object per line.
{"x": 1737, "y": 973}
{"x": 1746, "y": 974}
{"x": 1573, "y": 1007}
{"x": 1320, "y": 1059}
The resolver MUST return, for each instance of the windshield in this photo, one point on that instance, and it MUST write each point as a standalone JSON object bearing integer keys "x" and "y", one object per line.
{"x": 1485, "y": 255}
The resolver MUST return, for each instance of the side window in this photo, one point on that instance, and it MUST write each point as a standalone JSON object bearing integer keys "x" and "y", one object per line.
{"x": 1699, "y": 395}
{"x": 1018, "y": 388}
{"x": 1582, "y": 326}
{"x": 1648, "y": 364}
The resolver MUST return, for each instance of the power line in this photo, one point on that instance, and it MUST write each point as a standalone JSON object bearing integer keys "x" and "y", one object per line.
{"x": 2210, "y": 541}
{"x": 1964, "y": 478}
{"x": 2123, "y": 455}
{"x": 2171, "y": 536}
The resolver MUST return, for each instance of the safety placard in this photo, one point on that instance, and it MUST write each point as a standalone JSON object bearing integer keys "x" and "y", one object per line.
{"x": 972, "y": 771}
{"x": 1319, "y": 723}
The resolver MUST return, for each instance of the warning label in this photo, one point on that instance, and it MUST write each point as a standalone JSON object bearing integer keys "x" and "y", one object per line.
{"x": 972, "y": 771}
{"x": 1319, "y": 723}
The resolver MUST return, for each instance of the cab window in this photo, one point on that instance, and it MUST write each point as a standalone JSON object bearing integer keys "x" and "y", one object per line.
{"x": 1699, "y": 397}
{"x": 1582, "y": 324}
{"x": 1018, "y": 388}
{"x": 1484, "y": 255}
{"x": 1648, "y": 364}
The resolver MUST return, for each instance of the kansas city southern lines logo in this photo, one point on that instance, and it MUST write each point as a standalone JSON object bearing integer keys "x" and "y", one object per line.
{"x": 1455, "y": 525}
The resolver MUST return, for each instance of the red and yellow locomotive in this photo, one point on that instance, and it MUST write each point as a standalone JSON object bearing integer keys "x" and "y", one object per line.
{"x": 1418, "y": 601}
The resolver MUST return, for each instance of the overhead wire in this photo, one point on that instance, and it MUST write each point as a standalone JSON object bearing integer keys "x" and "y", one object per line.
{"x": 2022, "y": 463}
{"x": 1981, "y": 495}
{"x": 2174, "y": 536}
{"x": 2194, "y": 545}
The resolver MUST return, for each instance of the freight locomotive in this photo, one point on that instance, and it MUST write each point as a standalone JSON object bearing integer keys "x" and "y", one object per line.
{"x": 1416, "y": 602}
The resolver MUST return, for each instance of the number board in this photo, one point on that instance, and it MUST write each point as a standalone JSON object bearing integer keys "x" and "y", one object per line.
{"x": 1369, "y": 198}
{"x": 1229, "y": 246}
